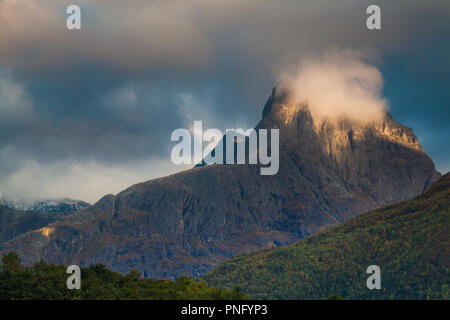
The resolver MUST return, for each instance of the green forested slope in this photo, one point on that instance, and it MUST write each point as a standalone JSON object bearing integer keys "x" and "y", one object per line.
{"x": 409, "y": 241}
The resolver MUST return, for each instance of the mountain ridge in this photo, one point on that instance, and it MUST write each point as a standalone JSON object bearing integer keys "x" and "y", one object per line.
{"x": 65, "y": 205}
{"x": 188, "y": 222}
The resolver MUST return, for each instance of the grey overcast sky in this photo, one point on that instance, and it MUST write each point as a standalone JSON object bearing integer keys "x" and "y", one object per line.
{"x": 89, "y": 112}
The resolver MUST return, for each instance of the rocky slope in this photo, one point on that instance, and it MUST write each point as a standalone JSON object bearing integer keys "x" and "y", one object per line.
{"x": 186, "y": 223}
{"x": 409, "y": 241}
{"x": 15, "y": 222}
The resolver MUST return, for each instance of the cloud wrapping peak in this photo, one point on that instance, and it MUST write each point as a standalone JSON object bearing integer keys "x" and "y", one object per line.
{"x": 337, "y": 84}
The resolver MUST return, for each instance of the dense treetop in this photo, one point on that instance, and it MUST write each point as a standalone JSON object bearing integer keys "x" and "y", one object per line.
{"x": 48, "y": 281}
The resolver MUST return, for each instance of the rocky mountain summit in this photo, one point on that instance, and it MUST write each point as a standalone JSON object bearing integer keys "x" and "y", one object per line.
{"x": 187, "y": 223}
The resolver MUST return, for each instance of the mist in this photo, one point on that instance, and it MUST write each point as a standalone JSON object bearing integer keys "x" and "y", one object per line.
{"x": 88, "y": 181}
{"x": 335, "y": 84}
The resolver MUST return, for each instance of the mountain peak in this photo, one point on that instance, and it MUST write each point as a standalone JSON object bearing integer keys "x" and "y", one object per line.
{"x": 187, "y": 223}
{"x": 297, "y": 118}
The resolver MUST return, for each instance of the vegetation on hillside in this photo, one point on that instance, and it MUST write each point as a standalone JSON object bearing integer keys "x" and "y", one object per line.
{"x": 409, "y": 241}
{"x": 45, "y": 281}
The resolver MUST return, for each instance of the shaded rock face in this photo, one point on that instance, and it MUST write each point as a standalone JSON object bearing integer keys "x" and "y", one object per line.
{"x": 15, "y": 222}
{"x": 187, "y": 223}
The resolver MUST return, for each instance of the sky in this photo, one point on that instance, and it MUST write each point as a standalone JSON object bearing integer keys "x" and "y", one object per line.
{"x": 84, "y": 113}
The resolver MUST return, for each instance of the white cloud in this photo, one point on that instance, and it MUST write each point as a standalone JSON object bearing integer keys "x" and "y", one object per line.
{"x": 88, "y": 181}
{"x": 139, "y": 36}
{"x": 336, "y": 84}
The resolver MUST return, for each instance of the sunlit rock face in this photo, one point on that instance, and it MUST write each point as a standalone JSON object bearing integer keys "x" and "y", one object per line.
{"x": 337, "y": 132}
{"x": 355, "y": 152}
{"x": 186, "y": 223}
{"x": 343, "y": 132}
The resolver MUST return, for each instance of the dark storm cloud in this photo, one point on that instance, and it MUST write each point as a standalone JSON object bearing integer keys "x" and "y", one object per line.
{"x": 111, "y": 93}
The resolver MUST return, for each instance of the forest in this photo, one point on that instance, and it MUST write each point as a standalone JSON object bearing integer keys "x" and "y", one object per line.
{"x": 409, "y": 241}
{"x": 44, "y": 281}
